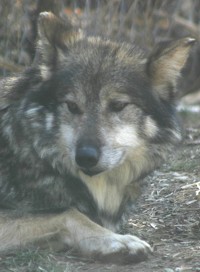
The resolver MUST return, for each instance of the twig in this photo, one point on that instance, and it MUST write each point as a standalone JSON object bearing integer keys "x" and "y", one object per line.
{"x": 191, "y": 185}
{"x": 193, "y": 143}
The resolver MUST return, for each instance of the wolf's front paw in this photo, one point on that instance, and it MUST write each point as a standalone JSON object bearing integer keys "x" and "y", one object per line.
{"x": 116, "y": 248}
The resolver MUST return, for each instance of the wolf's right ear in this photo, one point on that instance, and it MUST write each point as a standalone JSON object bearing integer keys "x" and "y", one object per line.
{"x": 54, "y": 36}
{"x": 165, "y": 64}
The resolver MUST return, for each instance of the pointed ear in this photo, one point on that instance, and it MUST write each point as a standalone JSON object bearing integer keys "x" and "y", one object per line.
{"x": 54, "y": 37}
{"x": 165, "y": 64}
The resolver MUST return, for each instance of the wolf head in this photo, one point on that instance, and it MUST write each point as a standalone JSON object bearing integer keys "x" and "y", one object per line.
{"x": 99, "y": 103}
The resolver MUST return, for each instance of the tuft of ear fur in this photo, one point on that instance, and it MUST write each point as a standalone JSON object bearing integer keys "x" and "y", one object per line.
{"x": 54, "y": 36}
{"x": 165, "y": 64}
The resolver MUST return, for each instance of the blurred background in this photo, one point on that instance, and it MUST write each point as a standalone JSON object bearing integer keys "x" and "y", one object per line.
{"x": 144, "y": 22}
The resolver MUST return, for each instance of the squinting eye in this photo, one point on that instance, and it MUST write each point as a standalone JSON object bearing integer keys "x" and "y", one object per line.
{"x": 117, "y": 106}
{"x": 73, "y": 107}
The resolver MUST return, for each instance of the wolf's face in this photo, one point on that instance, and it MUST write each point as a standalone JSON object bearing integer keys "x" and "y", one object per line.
{"x": 100, "y": 122}
{"x": 101, "y": 103}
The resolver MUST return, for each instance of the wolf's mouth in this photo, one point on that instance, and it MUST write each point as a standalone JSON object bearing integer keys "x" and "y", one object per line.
{"x": 91, "y": 172}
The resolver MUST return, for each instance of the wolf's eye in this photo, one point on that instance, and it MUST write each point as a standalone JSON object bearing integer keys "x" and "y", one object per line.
{"x": 117, "y": 106}
{"x": 73, "y": 107}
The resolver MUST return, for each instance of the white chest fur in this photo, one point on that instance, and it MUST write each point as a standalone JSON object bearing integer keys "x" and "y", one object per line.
{"x": 108, "y": 189}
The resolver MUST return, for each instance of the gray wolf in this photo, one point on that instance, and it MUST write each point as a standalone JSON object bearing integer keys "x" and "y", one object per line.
{"x": 78, "y": 131}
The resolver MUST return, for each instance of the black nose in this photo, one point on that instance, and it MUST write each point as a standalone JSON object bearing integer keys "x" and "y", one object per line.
{"x": 87, "y": 156}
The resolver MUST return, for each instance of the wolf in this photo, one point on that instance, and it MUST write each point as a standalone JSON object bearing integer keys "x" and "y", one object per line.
{"x": 79, "y": 129}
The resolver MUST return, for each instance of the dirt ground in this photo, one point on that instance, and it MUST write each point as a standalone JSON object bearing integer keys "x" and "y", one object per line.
{"x": 167, "y": 216}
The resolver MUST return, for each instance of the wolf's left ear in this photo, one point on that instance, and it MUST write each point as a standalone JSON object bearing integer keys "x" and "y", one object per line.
{"x": 165, "y": 64}
{"x": 54, "y": 36}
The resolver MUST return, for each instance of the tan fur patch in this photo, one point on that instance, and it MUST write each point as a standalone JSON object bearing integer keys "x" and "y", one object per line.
{"x": 150, "y": 127}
